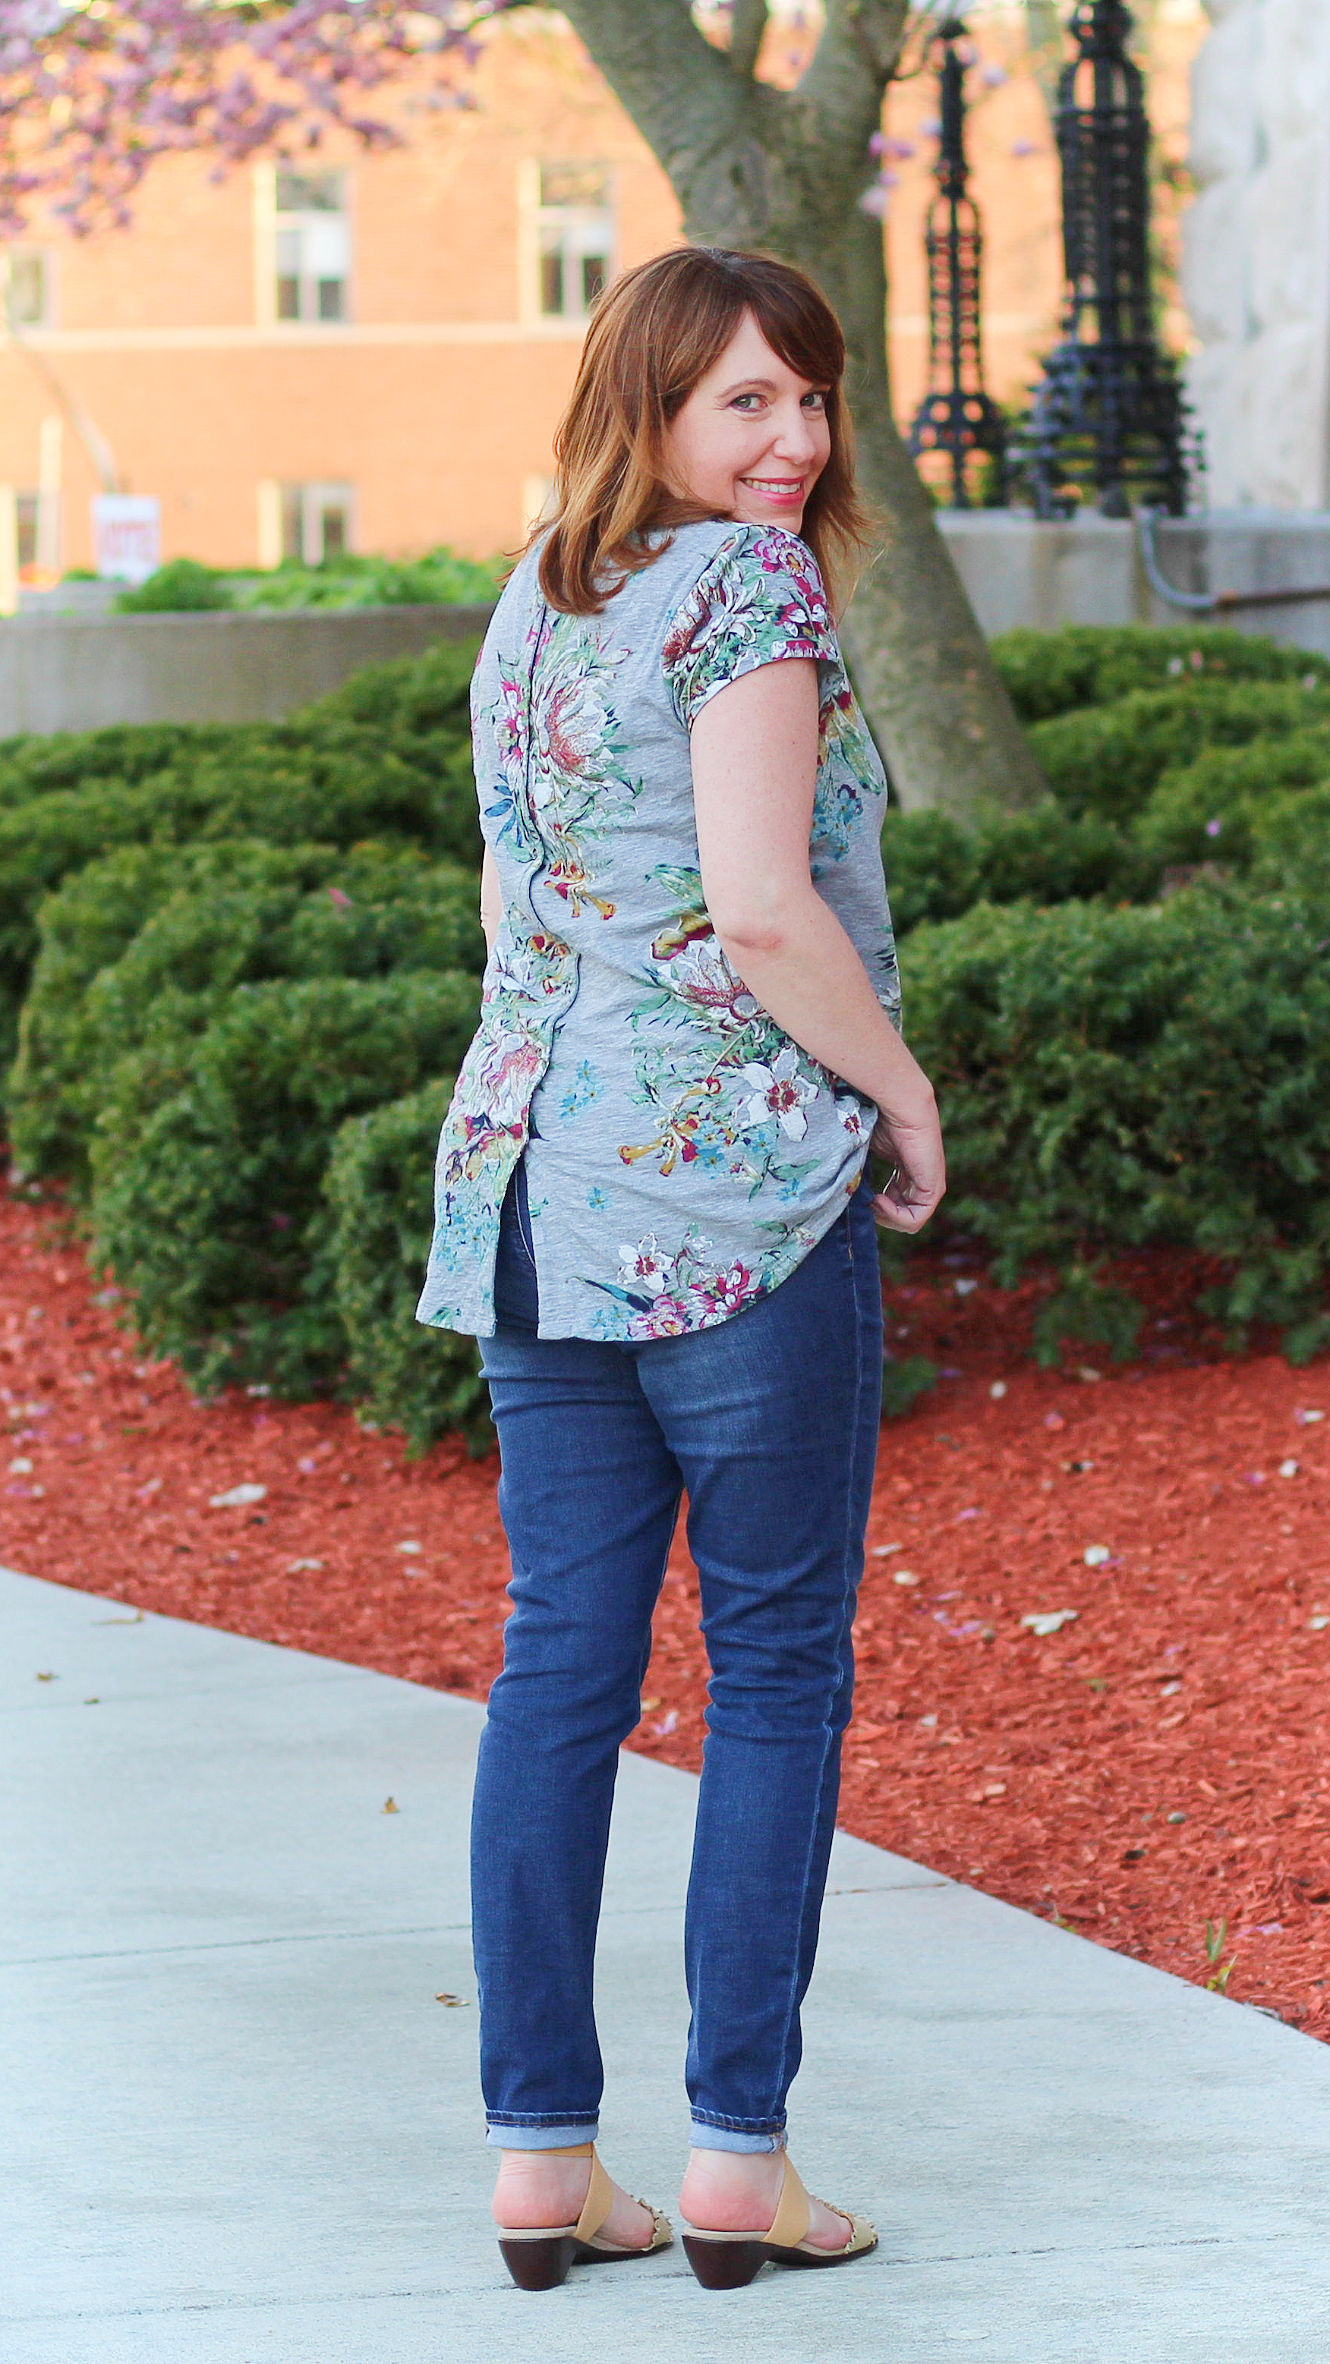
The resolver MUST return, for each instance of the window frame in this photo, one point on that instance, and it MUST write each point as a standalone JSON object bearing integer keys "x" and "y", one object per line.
{"x": 273, "y": 224}
{"x": 23, "y": 252}
{"x": 539, "y": 218}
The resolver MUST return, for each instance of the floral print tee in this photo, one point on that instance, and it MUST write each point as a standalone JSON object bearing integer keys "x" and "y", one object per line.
{"x": 683, "y": 1154}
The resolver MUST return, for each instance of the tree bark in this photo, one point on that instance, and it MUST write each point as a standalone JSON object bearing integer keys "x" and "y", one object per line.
{"x": 754, "y": 166}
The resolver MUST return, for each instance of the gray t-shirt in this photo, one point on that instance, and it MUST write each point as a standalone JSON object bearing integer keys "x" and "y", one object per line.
{"x": 683, "y": 1153}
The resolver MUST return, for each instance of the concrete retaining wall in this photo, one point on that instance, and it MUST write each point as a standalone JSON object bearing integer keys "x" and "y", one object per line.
{"x": 1091, "y": 570}
{"x": 74, "y": 672}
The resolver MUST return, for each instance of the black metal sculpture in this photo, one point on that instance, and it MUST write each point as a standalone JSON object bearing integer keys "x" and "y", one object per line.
{"x": 956, "y": 417}
{"x": 1108, "y": 413}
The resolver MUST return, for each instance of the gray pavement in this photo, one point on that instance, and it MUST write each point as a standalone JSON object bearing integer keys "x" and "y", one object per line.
{"x": 236, "y": 2127}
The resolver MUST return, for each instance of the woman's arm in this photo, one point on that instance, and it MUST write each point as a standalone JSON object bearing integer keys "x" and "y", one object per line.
{"x": 754, "y": 755}
{"x": 491, "y": 902}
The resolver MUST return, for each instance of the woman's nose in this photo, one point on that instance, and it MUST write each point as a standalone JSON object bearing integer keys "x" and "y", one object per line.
{"x": 796, "y": 437}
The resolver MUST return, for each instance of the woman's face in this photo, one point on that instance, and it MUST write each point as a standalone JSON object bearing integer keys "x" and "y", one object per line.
{"x": 752, "y": 438}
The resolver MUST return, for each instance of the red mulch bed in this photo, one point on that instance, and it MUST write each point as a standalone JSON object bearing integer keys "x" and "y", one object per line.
{"x": 1159, "y": 1762}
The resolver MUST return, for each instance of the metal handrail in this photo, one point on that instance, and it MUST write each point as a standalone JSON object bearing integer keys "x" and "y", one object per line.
{"x": 1209, "y": 603}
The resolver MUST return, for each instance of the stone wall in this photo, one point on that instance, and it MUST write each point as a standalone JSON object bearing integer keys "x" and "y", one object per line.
{"x": 1256, "y": 272}
{"x": 74, "y": 673}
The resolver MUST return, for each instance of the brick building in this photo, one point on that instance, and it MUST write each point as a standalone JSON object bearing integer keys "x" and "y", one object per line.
{"x": 373, "y": 350}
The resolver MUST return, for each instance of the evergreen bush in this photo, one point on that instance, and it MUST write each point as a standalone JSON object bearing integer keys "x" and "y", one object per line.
{"x": 380, "y": 1191}
{"x": 339, "y": 783}
{"x": 1290, "y": 845}
{"x": 935, "y": 869}
{"x": 1049, "y": 673}
{"x": 209, "y": 1155}
{"x": 1208, "y": 809}
{"x": 1110, "y": 1078}
{"x": 1108, "y": 759}
{"x": 182, "y": 583}
{"x": 247, "y": 916}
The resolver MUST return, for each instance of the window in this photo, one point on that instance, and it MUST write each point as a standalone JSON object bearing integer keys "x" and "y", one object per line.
{"x": 27, "y": 529}
{"x": 575, "y": 229}
{"x": 312, "y": 246}
{"x": 316, "y": 522}
{"x": 28, "y": 287}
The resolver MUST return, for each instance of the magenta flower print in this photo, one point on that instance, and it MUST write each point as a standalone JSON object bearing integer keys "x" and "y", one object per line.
{"x": 667, "y": 1317}
{"x": 505, "y": 1075}
{"x": 780, "y": 1091}
{"x": 729, "y": 1292}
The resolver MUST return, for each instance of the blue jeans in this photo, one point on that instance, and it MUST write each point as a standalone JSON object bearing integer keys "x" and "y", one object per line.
{"x": 770, "y": 1422}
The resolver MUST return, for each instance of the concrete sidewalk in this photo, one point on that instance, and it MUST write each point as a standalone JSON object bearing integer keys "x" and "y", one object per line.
{"x": 236, "y": 2126}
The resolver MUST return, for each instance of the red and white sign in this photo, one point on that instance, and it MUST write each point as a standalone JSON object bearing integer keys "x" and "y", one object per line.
{"x": 127, "y": 536}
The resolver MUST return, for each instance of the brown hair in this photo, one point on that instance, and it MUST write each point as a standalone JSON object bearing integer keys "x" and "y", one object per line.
{"x": 655, "y": 333}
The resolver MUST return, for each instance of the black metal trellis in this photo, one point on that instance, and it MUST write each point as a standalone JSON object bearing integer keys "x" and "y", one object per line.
{"x": 1108, "y": 414}
{"x": 956, "y": 417}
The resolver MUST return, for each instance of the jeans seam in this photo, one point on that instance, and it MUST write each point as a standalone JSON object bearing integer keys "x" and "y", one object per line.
{"x": 738, "y": 2125}
{"x": 827, "y": 1736}
{"x": 549, "y": 2118}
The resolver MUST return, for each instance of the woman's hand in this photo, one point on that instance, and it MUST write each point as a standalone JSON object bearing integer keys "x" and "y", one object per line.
{"x": 913, "y": 1148}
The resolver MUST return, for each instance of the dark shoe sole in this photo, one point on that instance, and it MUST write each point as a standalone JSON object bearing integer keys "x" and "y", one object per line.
{"x": 543, "y": 2264}
{"x": 731, "y": 2265}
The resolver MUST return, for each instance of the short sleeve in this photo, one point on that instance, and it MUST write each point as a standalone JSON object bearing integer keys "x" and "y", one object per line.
{"x": 759, "y": 599}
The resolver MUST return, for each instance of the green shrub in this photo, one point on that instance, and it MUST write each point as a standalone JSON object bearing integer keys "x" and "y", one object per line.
{"x": 1110, "y": 1078}
{"x": 340, "y": 784}
{"x": 380, "y": 1190}
{"x": 1108, "y": 759}
{"x": 1050, "y": 673}
{"x": 930, "y": 867}
{"x": 209, "y": 1157}
{"x": 935, "y": 869}
{"x": 246, "y": 917}
{"x": 1290, "y": 845}
{"x": 180, "y": 583}
{"x": 409, "y": 715}
{"x": 1207, "y": 809}
{"x": 52, "y": 1090}
{"x": 422, "y": 705}
{"x": 440, "y": 577}
{"x": 125, "y": 752}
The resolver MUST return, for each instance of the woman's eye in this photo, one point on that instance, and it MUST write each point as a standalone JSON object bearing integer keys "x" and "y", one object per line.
{"x": 742, "y": 401}
{"x": 815, "y": 401}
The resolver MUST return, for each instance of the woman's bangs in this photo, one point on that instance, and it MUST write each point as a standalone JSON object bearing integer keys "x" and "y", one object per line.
{"x": 804, "y": 336}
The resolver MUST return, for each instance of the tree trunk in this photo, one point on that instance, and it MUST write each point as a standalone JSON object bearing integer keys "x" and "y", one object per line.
{"x": 753, "y": 166}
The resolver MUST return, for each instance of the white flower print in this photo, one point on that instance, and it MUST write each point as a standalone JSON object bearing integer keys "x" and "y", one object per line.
{"x": 645, "y": 1265}
{"x": 780, "y": 1091}
{"x": 703, "y": 976}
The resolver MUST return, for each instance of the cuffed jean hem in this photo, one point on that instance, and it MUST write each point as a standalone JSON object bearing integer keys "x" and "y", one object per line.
{"x": 706, "y": 2135}
{"x": 541, "y": 2138}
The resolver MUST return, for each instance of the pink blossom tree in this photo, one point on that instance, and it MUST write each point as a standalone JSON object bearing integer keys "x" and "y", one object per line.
{"x": 94, "y": 92}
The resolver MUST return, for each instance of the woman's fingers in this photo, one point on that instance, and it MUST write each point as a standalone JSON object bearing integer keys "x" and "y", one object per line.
{"x": 919, "y": 1177}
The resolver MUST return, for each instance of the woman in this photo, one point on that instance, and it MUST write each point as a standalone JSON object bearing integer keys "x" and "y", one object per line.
{"x": 651, "y": 1209}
